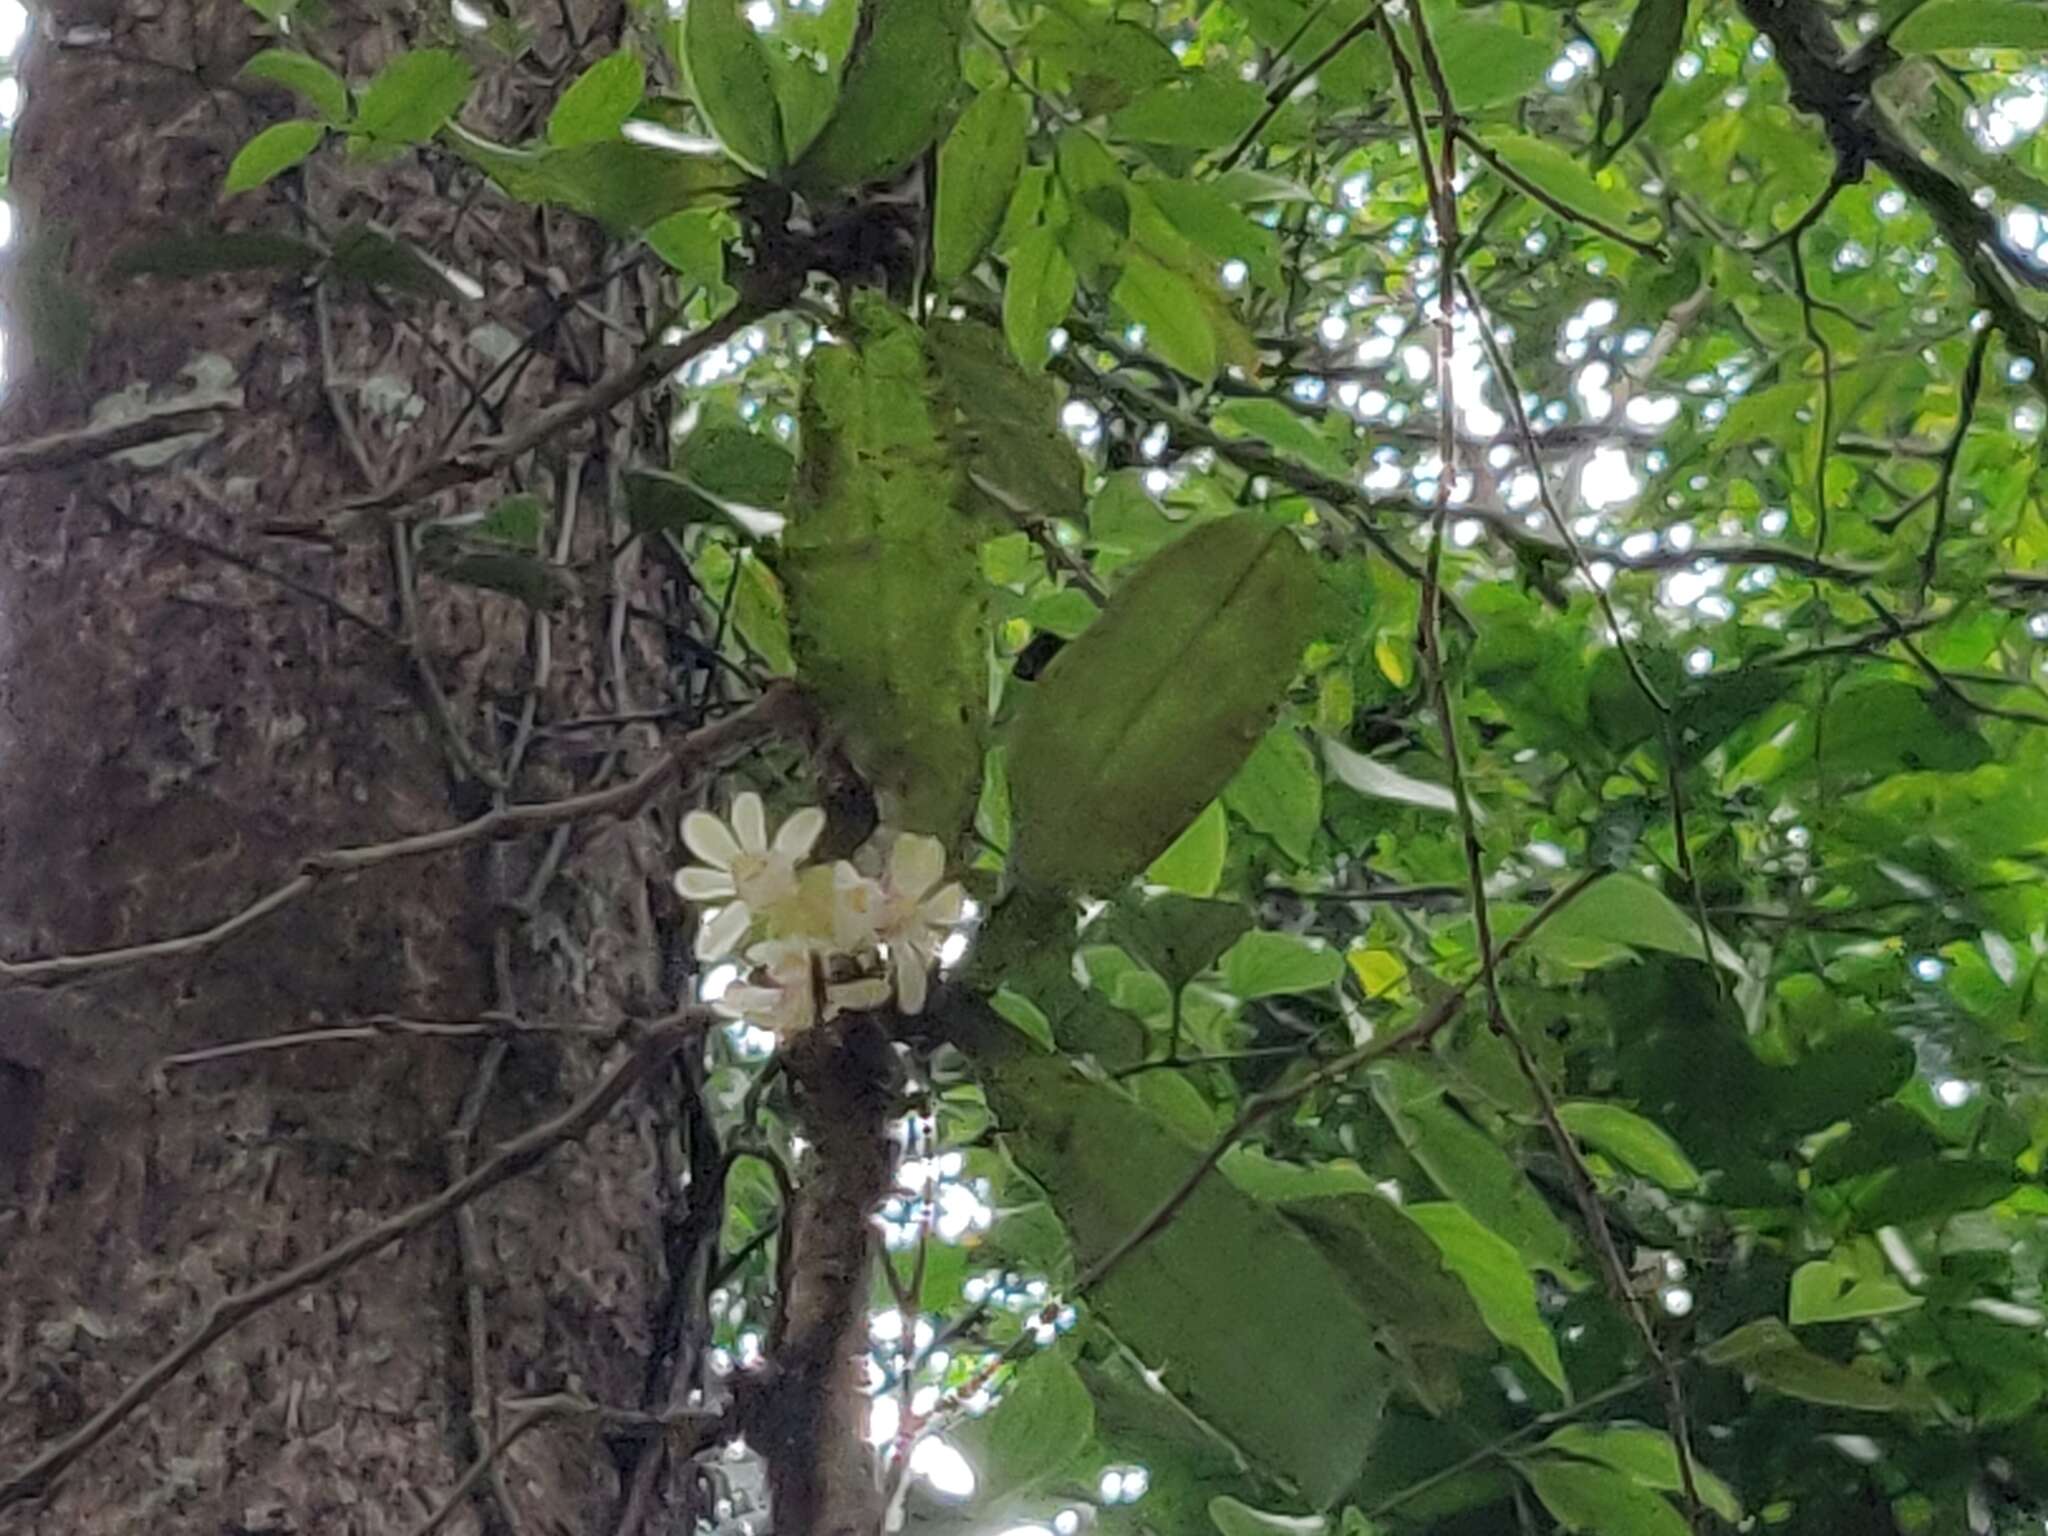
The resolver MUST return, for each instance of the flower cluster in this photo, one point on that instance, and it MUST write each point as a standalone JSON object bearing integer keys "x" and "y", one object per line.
{"x": 827, "y": 938}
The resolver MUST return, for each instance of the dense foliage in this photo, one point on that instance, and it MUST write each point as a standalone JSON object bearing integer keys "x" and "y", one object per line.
{"x": 1463, "y": 587}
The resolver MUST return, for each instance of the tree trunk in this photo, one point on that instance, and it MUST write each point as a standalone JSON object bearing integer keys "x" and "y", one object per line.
{"x": 192, "y": 706}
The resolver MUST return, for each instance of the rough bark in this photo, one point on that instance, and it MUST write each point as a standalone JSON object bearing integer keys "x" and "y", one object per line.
{"x": 187, "y": 709}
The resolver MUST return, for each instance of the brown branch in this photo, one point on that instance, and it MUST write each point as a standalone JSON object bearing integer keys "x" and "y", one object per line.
{"x": 82, "y": 445}
{"x": 1944, "y": 483}
{"x": 383, "y": 1026}
{"x": 1283, "y": 90}
{"x": 779, "y": 711}
{"x": 516, "y": 1157}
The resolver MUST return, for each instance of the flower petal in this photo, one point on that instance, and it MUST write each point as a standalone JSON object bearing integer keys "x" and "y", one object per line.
{"x": 916, "y": 864}
{"x": 750, "y": 822}
{"x": 696, "y": 882}
{"x": 709, "y": 839}
{"x": 946, "y": 907}
{"x": 911, "y": 980}
{"x": 799, "y": 835}
{"x": 719, "y": 932}
{"x": 850, "y": 996}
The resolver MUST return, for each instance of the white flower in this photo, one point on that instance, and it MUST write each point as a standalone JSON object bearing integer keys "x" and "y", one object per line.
{"x": 742, "y": 867}
{"x": 911, "y": 914}
{"x": 782, "y": 993}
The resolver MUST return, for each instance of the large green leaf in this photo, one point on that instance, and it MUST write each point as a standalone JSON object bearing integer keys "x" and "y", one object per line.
{"x": 1219, "y": 1295}
{"x": 623, "y": 185}
{"x": 726, "y": 66}
{"x": 1552, "y": 171}
{"x": 1042, "y": 1423}
{"x": 1767, "y": 1352}
{"x": 1144, "y": 720}
{"x": 1622, "y": 913}
{"x": 1272, "y": 964}
{"x": 1637, "y": 1144}
{"x": 1648, "y": 1456}
{"x": 1196, "y": 111}
{"x": 1471, "y": 1167}
{"x": 978, "y": 167}
{"x": 1629, "y": 87}
{"x": 1038, "y": 290}
{"x": 271, "y": 153}
{"x": 600, "y": 100}
{"x": 1500, "y": 1284}
{"x": 897, "y": 94}
{"x": 888, "y": 607}
{"x": 1486, "y": 63}
{"x": 1003, "y": 424}
{"x": 412, "y": 96}
{"x": 1279, "y": 793}
{"x": 301, "y": 72}
{"x": 1597, "y": 1500}
{"x": 1942, "y": 25}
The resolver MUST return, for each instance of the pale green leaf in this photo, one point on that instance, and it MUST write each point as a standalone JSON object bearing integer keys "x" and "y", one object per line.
{"x": 1637, "y": 1144}
{"x": 412, "y": 96}
{"x": 1500, "y": 1284}
{"x": 1279, "y": 793}
{"x": 1194, "y": 863}
{"x": 726, "y": 68}
{"x": 271, "y": 153}
{"x": 1942, "y": 25}
{"x": 1269, "y": 964}
{"x": 600, "y": 100}
{"x": 322, "y": 88}
{"x": 1648, "y": 1456}
{"x": 978, "y": 168}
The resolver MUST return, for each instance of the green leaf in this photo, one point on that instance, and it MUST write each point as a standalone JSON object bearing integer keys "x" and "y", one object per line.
{"x": 978, "y": 168}
{"x": 1170, "y": 308}
{"x": 1392, "y": 1265}
{"x": 1208, "y": 219}
{"x": 885, "y": 590}
{"x": 623, "y": 185}
{"x": 727, "y": 458}
{"x": 516, "y": 520}
{"x": 1270, "y": 964}
{"x": 725, "y": 66}
{"x": 1619, "y": 914}
{"x": 1586, "y": 1496}
{"x": 1234, "y": 1517}
{"x": 660, "y": 502}
{"x": 271, "y": 153}
{"x": 755, "y": 600}
{"x": 1632, "y": 1141}
{"x": 1826, "y": 1291}
{"x": 597, "y": 105}
{"x": 412, "y": 96}
{"x": 1487, "y": 63}
{"x": 1286, "y": 431}
{"x": 1142, "y": 721}
{"x": 1629, "y": 86}
{"x": 1470, "y": 1167}
{"x": 1107, "y": 63}
{"x": 1375, "y": 780}
{"x": 1942, "y": 25}
{"x": 1551, "y": 170}
{"x": 1196, "y": 111}
{"x": 1038, "y": 291}
{"x": 322, "y": 88}
{"x": 1499, "y": 1282}
{"x": 692, "y": 244}
{"x": 1767, "y": 1352}
{"x": 1041, "y": 1424}
{"x": 1003, "y": 425}
{"x": 1177, "y": 936}
{"x": 898, "y": 93}
{"x": 1194, "y": 863}
{"x": 1279, "y": 793}
{"x": 1648, "y": 1456}
{"x": 1929, "y": 1187}
{"x": 1219, "y": 1295}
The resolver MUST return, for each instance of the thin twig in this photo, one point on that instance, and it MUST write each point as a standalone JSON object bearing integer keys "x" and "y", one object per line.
{"x": 1529, "y": 189}
{"x": 494, "y": 454}
{"x": 1944, "y": 484}
{"x": 380, "y": 1027}
{"x": 516, "y": 1157}
{"x": 779, "y": 711}
{"x": 82, "y": 445}
{"x": 1283, "y": 90}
